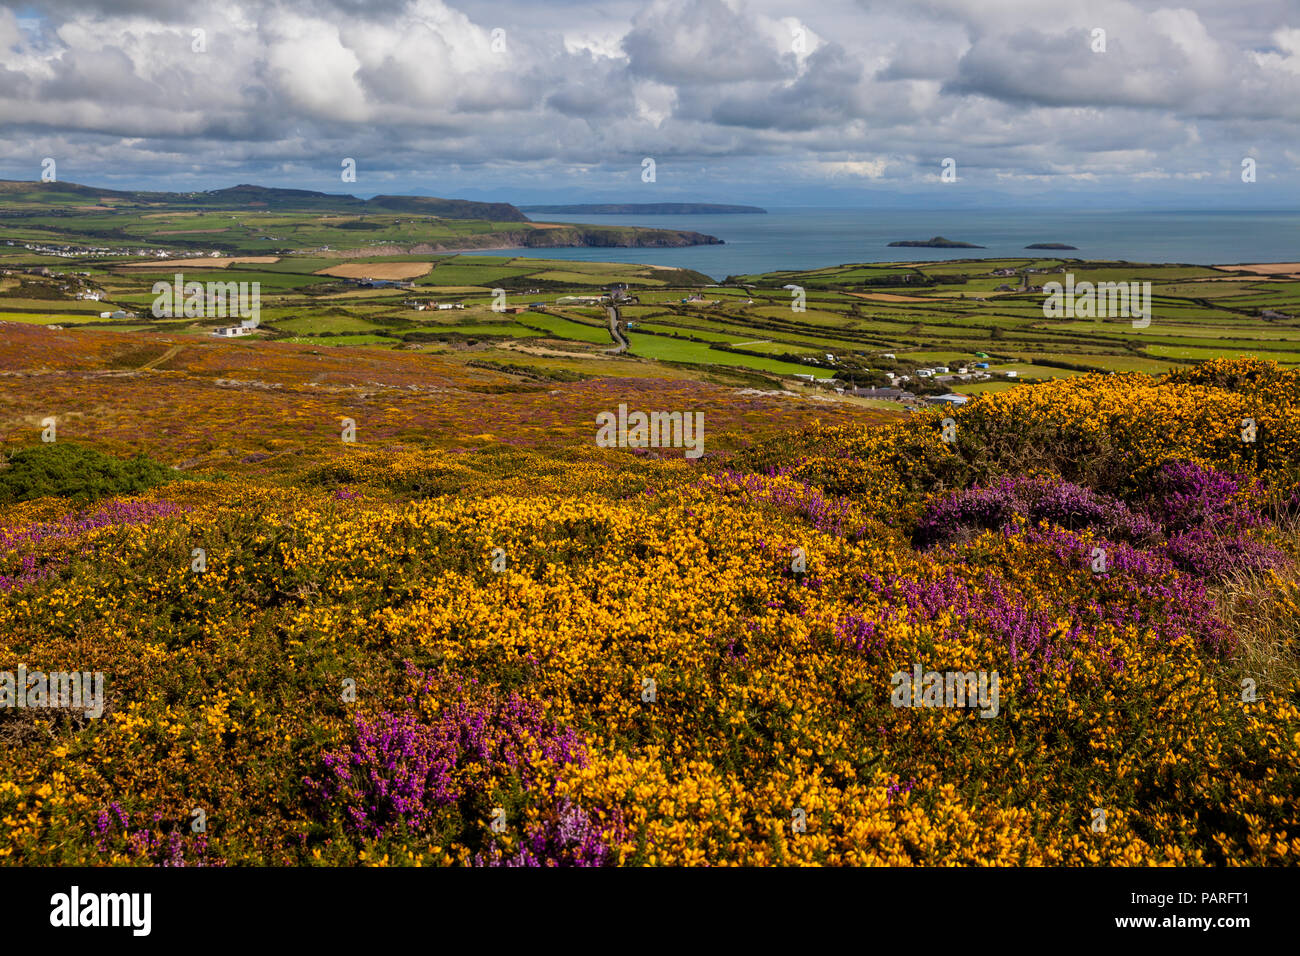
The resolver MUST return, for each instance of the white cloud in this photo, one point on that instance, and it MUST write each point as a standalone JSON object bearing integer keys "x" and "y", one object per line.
{"x": 865, "y": 168}
{"x": 1009, "y": 87}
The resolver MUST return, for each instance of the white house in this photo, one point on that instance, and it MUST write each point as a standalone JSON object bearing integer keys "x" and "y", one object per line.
{"x": 234, "y": 331}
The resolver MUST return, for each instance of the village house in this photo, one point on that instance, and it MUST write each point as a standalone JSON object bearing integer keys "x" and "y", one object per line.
{"x": 887, "y": 394}
{"x": 951, "y": 398}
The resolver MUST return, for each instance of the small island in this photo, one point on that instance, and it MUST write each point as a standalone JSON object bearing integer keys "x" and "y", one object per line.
{"x": 938, "y": 242}
{"x": 646, "y": 209}
{"x": 1050, "y": 245}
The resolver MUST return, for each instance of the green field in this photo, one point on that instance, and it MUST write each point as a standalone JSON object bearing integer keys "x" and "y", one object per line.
{"x": 923, "y": 314}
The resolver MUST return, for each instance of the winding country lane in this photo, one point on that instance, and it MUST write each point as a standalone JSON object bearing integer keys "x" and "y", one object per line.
{"x": 620, "y": 339}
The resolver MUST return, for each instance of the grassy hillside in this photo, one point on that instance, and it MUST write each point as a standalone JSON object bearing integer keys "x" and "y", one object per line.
{"x": 249, "y": 219}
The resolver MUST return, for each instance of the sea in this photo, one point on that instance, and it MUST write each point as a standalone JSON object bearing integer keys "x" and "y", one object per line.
{"x": 789, "y": 238}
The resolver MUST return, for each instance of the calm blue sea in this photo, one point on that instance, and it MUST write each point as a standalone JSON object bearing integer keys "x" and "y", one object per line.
{"x": 803, "y": 238}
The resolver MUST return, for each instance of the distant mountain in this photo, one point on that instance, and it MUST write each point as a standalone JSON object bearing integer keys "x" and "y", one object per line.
{"x": 646, "y": 209}
{"x": 245, "y": 196}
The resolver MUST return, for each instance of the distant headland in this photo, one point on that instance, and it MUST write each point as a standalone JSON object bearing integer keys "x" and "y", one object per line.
{"x": 1050, "y": 245}
{"x": 646, "y": 209}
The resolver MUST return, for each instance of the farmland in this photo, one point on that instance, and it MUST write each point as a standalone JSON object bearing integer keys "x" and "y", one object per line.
{"x": 924, "y": 314}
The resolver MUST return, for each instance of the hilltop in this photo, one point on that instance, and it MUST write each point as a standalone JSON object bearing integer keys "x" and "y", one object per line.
{"x": 249, "y": 196}
{"x": 251, "y": 219}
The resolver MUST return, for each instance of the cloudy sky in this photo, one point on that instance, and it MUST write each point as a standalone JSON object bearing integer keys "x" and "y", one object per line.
{"x": 776, "y": 102}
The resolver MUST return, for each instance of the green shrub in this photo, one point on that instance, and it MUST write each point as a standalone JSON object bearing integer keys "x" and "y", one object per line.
{"x": 67, "y": 470}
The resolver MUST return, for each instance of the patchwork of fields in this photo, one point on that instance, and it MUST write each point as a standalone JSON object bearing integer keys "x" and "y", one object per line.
{"x": 950, "y": 312}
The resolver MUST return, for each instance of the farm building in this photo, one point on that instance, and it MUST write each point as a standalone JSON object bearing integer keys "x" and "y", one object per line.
{"x": 889, "y": 394}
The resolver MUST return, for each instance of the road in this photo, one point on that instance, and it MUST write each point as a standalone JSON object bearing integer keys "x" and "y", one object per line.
{"x": 620, "y": 339}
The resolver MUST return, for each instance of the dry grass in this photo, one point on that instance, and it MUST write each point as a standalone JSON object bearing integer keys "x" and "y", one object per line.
{"x": 892, "y": 297}
{"x": 1266, "y": 268}
{"x": 1262, "y": 610}
{"x": 1262, "y": 607}
{"x": 377, "y": 270}
{"x": 206, "y": 262}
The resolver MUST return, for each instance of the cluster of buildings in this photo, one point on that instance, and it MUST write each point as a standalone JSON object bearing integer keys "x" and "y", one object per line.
{"x": 942, "y": 373}
{"x": 76, "y": 284}
{"x": 1025, "y": 285}
{"x": 432, "y": 306}
{"x": 896, "y": 390}
{"x": 85, "y": 252}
